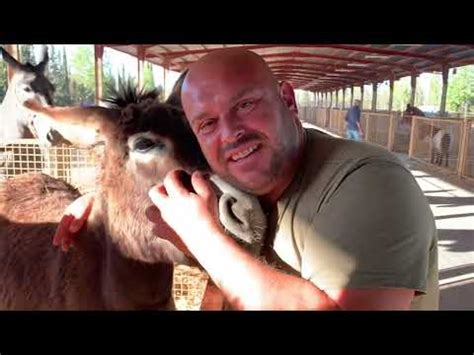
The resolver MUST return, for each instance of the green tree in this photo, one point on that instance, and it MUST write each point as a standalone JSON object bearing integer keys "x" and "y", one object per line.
{"x": 461, "y": 89}
{"x": 109, "y": 81}
{"x": 83, "y": 75}
{"x": 148, "y": 80}
{"x": 67, "y": 85}
{"x": 3, "y": 79}
{"x": 27, "y": 54}
{"x": 402, "y": 94}
{"x": 59, "y": 76}
{"x": 434, "y": 96}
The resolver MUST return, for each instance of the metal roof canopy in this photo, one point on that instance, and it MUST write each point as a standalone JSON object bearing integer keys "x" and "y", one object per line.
{"x": 323, "y": 67}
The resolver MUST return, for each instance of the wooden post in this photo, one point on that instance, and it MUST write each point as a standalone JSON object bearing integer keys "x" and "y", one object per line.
{"x": 337, "y": 98}
{"x": 465, "y": 137}
{"x": 99, "y": 54}
{"x": 362, "y": 97}
{"x": 374, "y": 96}
{"x": 165, "y": 69}
{"x": 390, "y": 98}
{"x": 444, "y": 92}
{"x": 411, "y": 148}
{"x": 413, "y": 90}
{"x": 430, "y": 145}
{"x": 141, "y": 66}
{"x": 14, "y": 51}
{"x": 367, "y": 125}
{"x": 352, "y": 96}
{"x": 343, "y": 98}
{"x": 391, "y": 132}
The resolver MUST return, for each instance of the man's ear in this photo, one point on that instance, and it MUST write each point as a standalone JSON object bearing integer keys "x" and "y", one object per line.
{"x": 287, "y": 94}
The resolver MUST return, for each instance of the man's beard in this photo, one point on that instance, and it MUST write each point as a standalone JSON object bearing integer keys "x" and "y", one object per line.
{"x": 271, "y": 175}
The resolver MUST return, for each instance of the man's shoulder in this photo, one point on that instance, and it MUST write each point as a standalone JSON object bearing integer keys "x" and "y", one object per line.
{"x": 330, "y": 160}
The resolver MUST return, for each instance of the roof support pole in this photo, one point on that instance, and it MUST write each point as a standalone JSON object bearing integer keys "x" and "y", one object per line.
{"x": 444, "y": 92}
{"x": 390, "y": 97}
{"x": 413, "y": 90}
{"x": 14, "y": 51}
{"x": 374, "y": 96}
{"x": 141, "y": 64}
{"x": 98, "y": 54}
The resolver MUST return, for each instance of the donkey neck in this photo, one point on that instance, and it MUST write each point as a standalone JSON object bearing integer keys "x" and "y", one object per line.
{"x": 125, "y": 283}
{"x": 15, "y": 120}
{"x": 121, "y": 204}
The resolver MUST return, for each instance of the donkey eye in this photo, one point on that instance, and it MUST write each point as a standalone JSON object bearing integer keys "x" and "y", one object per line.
{"x": 143, "y": 145}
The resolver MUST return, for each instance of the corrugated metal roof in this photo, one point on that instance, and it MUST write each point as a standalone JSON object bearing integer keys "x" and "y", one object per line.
{"x": 323, "y": 66}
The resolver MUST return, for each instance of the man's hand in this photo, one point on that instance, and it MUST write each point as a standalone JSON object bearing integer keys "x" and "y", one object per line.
{"x": 74, "y": 218}
{"x": 162, "y": 230}
{"x": 192, "y": 215}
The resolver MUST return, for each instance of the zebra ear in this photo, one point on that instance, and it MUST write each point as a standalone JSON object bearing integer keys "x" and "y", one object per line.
{"x": 12, "y": 62}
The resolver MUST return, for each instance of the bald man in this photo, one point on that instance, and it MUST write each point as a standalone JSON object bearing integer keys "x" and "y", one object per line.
{"x": 349, "y": 226}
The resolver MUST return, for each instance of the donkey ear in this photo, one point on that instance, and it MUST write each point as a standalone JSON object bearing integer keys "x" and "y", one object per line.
{"x": 12, "y": 62}
{"x": 82, "y": 126}
{"x": 175, "y": 97}
{"x": 42, "y": 65}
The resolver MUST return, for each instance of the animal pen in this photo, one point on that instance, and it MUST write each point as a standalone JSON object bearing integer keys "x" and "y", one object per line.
{"x": 410, "y": 135}
{"x": 320, "y": 69}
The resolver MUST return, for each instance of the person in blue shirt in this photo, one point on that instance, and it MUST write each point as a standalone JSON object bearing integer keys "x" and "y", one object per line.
{"x": 353, "y": 128}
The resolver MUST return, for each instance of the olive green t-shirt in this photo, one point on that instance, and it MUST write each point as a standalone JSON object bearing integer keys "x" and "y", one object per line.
{"x": 354, "y": 217}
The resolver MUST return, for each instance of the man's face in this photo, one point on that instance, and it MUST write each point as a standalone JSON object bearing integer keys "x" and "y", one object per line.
{"x": 243, "y": 127}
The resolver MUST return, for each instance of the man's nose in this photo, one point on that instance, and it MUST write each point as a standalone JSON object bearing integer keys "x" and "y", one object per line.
{"x": 232, "y": 130}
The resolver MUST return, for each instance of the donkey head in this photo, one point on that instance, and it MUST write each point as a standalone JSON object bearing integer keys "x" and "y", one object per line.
{"x": 30, "y": 83}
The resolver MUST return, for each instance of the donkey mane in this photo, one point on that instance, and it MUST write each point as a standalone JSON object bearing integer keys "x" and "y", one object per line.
{"x": 129, "y": 93}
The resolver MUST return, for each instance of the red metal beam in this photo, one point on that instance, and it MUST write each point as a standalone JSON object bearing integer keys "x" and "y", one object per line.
{"x": 308, "y": 81}
{"x": 350, "y": 76}
{"x": 201, "y": 51}
{"x": 346, "y": 80}
{"x": 299, "y": 63}
{"x": 292, "y": 55}
{"x": 452, "y": 64}
{"x": 312, "y": 76}
{"x": 353, "y": 74}
{"x": 444, "y": 50}
{"x": 346, "y": 59}
{"x": 383, "y": 51}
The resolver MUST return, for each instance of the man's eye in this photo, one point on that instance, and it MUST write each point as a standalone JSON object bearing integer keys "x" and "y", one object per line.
{"x": 207, "y": 126}
{"x": 246, "y": 105}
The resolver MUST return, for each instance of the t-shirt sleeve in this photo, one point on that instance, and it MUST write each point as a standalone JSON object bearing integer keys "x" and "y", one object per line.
{"x": 374, "y": 230}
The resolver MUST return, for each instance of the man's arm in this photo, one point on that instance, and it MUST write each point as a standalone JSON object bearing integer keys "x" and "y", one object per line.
{"x": 246, "y": 282}
{"x": 359, "y": 126}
